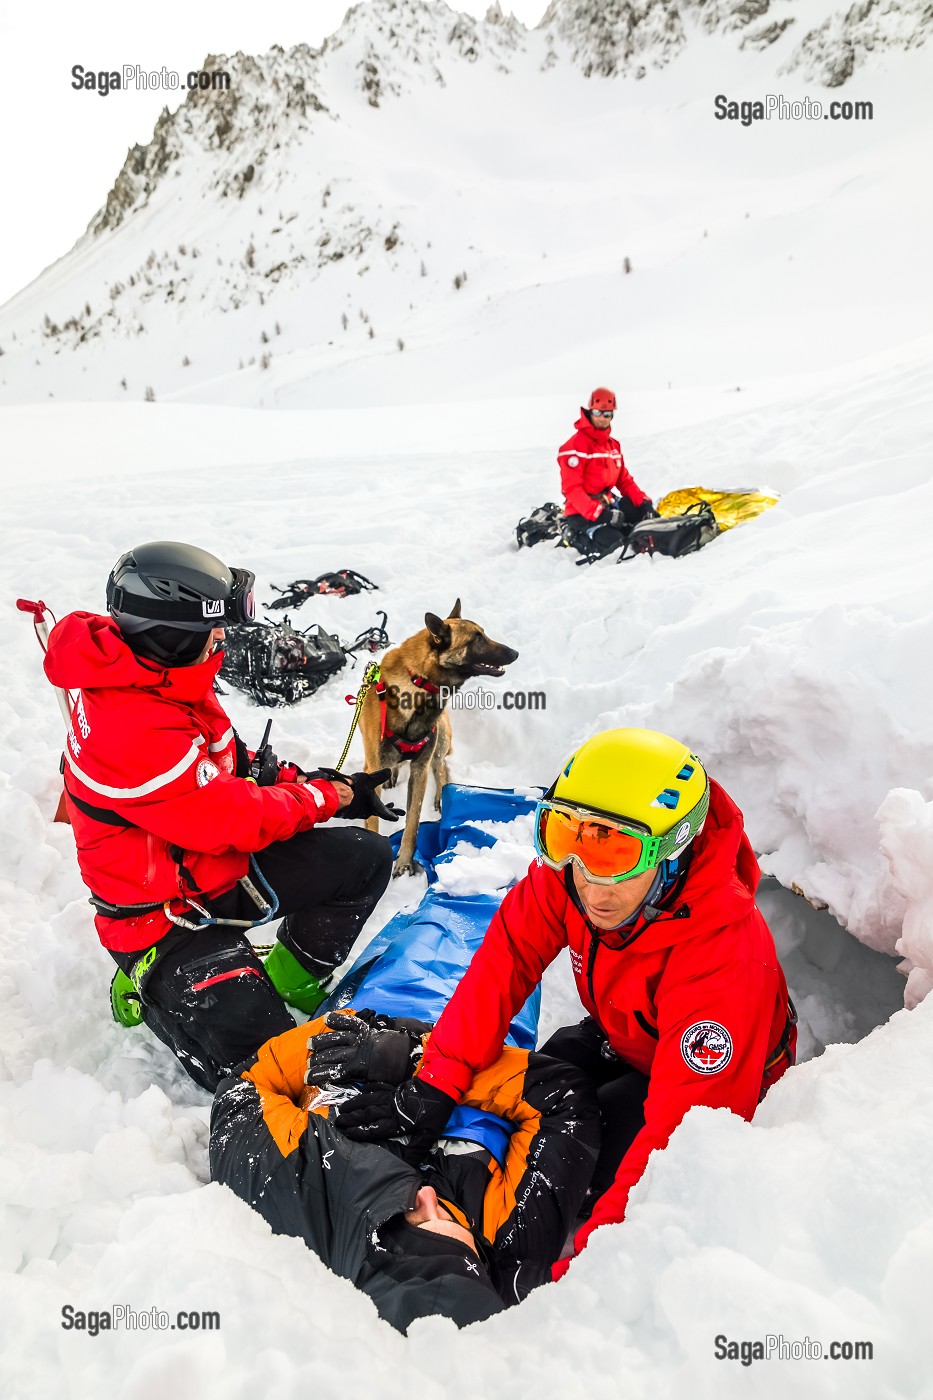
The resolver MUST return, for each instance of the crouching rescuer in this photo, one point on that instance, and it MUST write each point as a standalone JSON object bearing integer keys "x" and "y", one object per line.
{"x": 645, "y": 873}
{"x": 185, "y": 840}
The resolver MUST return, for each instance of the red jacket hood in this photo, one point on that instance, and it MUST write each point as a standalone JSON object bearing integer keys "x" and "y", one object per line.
{"x": 721, "y": 882}
{"x": 88, "y": 652}
{"x": 600, "y": 437}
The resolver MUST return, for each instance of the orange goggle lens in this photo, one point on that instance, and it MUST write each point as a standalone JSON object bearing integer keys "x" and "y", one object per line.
{"x": 604, "y": 850}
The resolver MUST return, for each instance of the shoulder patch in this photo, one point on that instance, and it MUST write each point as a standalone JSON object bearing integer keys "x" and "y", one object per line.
{"x": 573, "y": 460}
{"x": 206, "y": 772}
{"x": 706, "y": 1047}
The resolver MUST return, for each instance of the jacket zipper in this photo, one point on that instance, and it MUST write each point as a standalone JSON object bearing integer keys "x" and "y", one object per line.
{"x": 681, "y": 912}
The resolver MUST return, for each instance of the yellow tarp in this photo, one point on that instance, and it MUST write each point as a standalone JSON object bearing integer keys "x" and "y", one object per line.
{"x": 729, "y": 507}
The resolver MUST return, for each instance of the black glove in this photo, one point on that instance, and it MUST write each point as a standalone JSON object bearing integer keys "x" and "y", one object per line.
{"x": 353, "y": 1050}
{"x": 645, "y": 511}
{"x": 366, "y": 801}
{"x": 416, "y": 1108}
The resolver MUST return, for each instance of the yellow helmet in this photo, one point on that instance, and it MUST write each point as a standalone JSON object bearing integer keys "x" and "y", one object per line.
{"x": 641, "y": 776}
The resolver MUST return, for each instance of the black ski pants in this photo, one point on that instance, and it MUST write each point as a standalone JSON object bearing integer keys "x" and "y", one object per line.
{"x": 587, "y": 538}
{"x": 620, "y": 1093}
{"x": 208, "y": 996}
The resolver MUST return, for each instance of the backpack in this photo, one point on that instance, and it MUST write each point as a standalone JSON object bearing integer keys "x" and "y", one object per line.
{"x": 674, "y": 534}
{"x": 541, "y": 524}
{"x": 278, "y": 665}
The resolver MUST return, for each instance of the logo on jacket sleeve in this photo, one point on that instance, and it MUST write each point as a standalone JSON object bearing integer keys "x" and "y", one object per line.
{"x": 206, "y": 772}
{"x": 573, "y": 461}
{"x": 706, "y": 1047}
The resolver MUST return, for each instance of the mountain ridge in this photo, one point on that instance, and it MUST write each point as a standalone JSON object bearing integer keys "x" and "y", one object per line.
{"x": 409, "y": 178}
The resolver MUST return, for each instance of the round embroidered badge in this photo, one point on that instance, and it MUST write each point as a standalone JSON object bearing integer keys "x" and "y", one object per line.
{"x": 706, "y": 1047}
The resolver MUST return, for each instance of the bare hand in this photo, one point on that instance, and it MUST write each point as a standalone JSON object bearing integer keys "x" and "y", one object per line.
{"x": 344, "y": 792}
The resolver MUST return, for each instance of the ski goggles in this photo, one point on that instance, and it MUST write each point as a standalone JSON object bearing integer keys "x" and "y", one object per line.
{"x": 608, "y": 848}
{"x": 603, "y": 412}
{"x": 242, "y": 604}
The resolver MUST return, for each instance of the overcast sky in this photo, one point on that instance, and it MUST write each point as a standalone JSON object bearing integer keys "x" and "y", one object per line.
{"x": 62, "y": 149}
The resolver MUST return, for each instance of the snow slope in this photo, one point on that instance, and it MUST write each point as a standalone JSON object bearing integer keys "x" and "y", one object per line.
{"x": 274, "y": 245}
{"x": 793, "y": 653}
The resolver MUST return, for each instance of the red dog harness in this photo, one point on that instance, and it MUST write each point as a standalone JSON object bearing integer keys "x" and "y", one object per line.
{"x": 404, "y": 746}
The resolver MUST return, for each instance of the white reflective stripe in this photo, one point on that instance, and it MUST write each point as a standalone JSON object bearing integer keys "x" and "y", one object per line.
{"x": 588, "y": 456}
{"x": 161, "y": 780}
{"x": 222, "y": 742}
{"x": 200, "y": 740}
{"x": 316, "y": 794}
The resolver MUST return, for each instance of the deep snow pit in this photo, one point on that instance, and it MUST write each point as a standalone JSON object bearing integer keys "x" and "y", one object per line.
{"x": 841, "y": 989}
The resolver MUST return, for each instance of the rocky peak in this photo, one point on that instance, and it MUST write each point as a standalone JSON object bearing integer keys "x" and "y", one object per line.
{"x": 608, "y": 37}
{"x": 832, "y": 53}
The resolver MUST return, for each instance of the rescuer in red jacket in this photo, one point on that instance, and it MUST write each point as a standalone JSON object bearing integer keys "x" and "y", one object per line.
{"x": 184, "y": 839}
{"x": 645, "y": 873}
{"x": 601, "y": 499}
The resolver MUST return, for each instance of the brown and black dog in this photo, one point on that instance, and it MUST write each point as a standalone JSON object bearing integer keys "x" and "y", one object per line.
{"x": 404, "y": 717}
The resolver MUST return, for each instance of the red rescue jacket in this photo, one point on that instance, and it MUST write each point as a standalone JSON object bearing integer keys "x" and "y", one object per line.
{"x": 591, "y": 465}
{"x": 152, "y": 744}
{"x": 696, "y": 1000}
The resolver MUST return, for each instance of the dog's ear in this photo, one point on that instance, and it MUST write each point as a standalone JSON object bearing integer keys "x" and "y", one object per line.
{"x": 455, "y": 610}
{"x": 440, "y": 632}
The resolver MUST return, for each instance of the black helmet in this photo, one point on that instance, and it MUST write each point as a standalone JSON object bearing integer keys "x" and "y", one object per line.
{"x": 166, "y": 598}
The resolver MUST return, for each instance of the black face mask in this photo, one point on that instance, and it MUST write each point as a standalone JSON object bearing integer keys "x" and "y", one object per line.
{"x": 171, "y": 646}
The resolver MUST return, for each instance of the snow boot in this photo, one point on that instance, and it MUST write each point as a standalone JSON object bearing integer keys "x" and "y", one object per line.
{"x": 294, "y": 984}
{"x": 124, "y": 1000}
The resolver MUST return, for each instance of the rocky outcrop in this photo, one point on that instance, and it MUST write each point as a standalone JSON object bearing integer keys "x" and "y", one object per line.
{"x": 831, "y": 54}
{"x": 276, "y": 93}
{"x": 606, "y": 38}
{"x": 610, "y": 37}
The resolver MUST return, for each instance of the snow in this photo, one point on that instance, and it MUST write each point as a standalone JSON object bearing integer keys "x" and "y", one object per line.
{"x": 793, "y": 654}
{"x": 790, "y": 653}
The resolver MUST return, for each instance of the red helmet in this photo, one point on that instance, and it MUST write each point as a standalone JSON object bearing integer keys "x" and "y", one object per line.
{"x": 602, "y": 399}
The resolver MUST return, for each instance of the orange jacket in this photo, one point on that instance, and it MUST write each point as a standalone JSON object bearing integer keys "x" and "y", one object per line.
{"x": 273, "y": 1142}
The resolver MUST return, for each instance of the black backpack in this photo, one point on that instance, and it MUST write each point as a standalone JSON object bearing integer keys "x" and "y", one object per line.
{"x": 673, "y": 534}
{"x": 541, "y": 524}
{"x": 277, "y": 664}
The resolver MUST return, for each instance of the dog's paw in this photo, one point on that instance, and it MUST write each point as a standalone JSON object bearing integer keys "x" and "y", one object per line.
{"x": 409, "y": 867}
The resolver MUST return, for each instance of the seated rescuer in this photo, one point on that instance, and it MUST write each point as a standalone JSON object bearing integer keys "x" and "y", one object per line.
{"x": 448, "y": 1231}
{"x": 181, "y": 847}
{"x": 644, "y": 871}
{"x": 601, "y": 499}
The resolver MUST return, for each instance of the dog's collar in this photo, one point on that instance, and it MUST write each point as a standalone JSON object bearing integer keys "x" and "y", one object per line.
{"x": 423, "y": 683}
